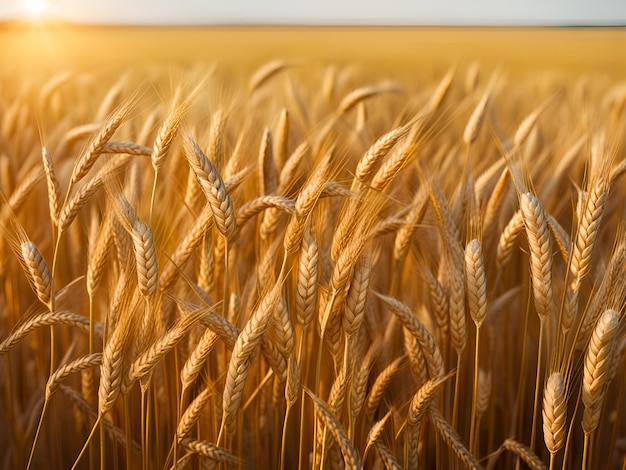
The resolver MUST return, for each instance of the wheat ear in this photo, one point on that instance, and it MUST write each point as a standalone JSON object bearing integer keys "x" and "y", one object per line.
{"x": 582, "y": 249}
{"x": 54, "y": 190}
{"x": 597, "y": 361}
{"x": 214, "y": 189}
{"x": 82, "y": 363}
{"x": 350, "y": 455}
{"x": 417, "y": 410}
{"x": 475, "y": 122}
{"x": 146, "y": 259}
{"x": 540, "y": 252}
{"x": 452, "y": 439}
{"x": 37, "y": 271}
{"x": 265, "y": 72}
{"x": 525, "y": 453}
{"x": 46, "y": 319}
{"x": 239, "y": 365}
{"x": 194, "y": 363}
{"x": 192, "y": 413}
{"x": 93, "y": 150}
{"x": 356, "y": 96}
{"x": 554, "y": 412}
{"x": 209, "y": 450}
{"x": 419, "y": 331}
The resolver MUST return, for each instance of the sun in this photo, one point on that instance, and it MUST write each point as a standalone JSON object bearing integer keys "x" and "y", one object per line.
{"x": 34, "y": 9}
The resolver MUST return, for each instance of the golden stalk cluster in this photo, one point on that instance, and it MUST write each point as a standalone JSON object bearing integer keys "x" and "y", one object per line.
{"x": 264, "y": 273}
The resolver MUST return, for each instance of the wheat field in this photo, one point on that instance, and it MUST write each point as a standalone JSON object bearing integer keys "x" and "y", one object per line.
{"x": 313, "y": 263}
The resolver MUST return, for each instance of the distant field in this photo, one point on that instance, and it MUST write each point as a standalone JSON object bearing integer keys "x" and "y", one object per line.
{"x": 398, "y": 49}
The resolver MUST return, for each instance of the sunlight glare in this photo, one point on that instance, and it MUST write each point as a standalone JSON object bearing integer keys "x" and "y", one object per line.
{"x": 34, "y": 9}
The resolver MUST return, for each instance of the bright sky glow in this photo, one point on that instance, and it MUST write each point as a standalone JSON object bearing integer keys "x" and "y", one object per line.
{"x": 409, "y": 12}
{"x": 33, "y": 9}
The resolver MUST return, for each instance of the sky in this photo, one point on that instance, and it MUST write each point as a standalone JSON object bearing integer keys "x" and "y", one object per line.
{"x": 418, "y": 12}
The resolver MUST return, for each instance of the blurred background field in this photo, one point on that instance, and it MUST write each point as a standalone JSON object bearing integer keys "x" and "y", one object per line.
{"x": 404, "y": 50}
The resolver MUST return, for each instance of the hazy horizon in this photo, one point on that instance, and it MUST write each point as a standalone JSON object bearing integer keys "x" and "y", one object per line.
{"x": 324, "y": 12}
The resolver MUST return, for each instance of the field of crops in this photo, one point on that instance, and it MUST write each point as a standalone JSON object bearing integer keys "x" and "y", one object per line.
{"x": 312, "y": 248}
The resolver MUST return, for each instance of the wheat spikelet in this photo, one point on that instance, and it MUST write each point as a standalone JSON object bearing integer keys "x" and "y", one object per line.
{"x": 112, "y": 369}
{"x": 10, "y": 117}
{"x": 374, "y": 155}
{"x": 290, "y": 170}
{"x": 54, "y": 191}
{"x": 82, "y": 363}
{"x": 265, "y": 72}
{"x": 149, "y": 359}
{"x": 350, "y": 455}
{"x": 358, "y": 389}
{"x": 476, "y": 282}
{"x": 412, "y": 219}
{"x": 338, "y": 286}
{"x": 417, "y": 410}
{"x": 239, "y": 364}
{"x": 323, "y": 449}
{"x": 387, "y": 456}
{"x": 211, "y": 451}
{"x": 375, "y": 432}
{"x": 485, "y": 388}
{"x": 214, "y": 189}
{"x": 308, "y": 272}
{"x": 305, "y": 201}
{"x": 99, "y": 251}
{"x": 268, "y": 179}
{"x": 523, "y": 452}
{"x": 582, "y": 248}
{"x": 46, "y": 319}
{"x": 129, "y": 148}
{"x": 145, "y": 255}
{"x": 439, "y": 300}
{"x": 93, "y": 150}
{"x": 508, "y": 237}
{"x": 294, "y": 381}
{"x": 597, "y": 361}
{"x": 37, "y": 271}
{"x": 22, "y": 190}
{"x": 554, "y": 412}
{"x": 540, "y": 252}
{"x": 379, "y": 387}
{"x": 561, "y": 237}
{"x": 313, "y": 188}
{"x": 608, "y": 286}
{"x": 451, "y": 438}
{"x": 194, "y": 363}
{"x": 475, "y": 122}
{"x": 394, "y": 163}
{"x": 192, "y": 413}
{"x": 356, "y": 96}
{"x": 72, "y": 206}
{"x": 283, "y": 328}
{"x": 281, "y": 141}
{"x": 165, "y": 137}
{"x": 357, "y": 297}
{"x": 493, "y": 202}
{"x": 437, "y": 98}
{"x": 186, "y": 247}
{"x": 258, "y": 205}
{"x": 525, "y": 127}
{"x": 458, "y": 323}
{"x": 421, "y": 334}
